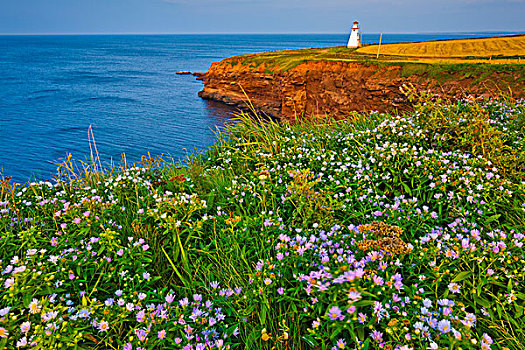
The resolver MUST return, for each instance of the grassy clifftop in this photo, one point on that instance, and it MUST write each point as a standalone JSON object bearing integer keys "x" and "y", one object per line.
{"x": 489, "y": 51}
{"x": 339, "y": 80}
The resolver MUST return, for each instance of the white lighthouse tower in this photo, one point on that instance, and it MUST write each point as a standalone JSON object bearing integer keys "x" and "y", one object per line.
{"x": 354, "y": 36}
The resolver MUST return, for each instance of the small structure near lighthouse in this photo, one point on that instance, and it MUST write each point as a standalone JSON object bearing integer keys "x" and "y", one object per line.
{"x": 354, "y": 40}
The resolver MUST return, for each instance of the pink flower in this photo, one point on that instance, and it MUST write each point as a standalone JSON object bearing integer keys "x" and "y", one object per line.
{"x": 169, "y": 298}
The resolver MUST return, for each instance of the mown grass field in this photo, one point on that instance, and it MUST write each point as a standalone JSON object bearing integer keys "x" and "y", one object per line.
{"x": 508, "y": 46}
{"x": 379, "y": 231}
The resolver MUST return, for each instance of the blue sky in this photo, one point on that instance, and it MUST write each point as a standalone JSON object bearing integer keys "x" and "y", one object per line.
{"x": 258, "y": 16}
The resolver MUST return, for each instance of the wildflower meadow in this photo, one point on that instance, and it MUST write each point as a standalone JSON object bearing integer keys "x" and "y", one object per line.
{"x": 377, "y": 231}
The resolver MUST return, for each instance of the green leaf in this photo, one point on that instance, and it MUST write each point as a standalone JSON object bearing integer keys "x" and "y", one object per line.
{"x": 337, "y": 331}
{"x": 308, "y": 339}
{"x": 101, "y": 250}
{"x": 492, "y": 218}
{"x": 26, "y": 299}
{"x": 363, "y": 303}
{"x": 174, "y": 267}
{"x": 462, "y": 276}
{"x": 481, "y": 301}
{"x": 407, "y": 189}
{"x": 262, "y": 316}
{"x": 252, "y": 338}
{"x": 519, "y": 311}
{"x": 3, "y": 342}
{"x": 361, "y": 333}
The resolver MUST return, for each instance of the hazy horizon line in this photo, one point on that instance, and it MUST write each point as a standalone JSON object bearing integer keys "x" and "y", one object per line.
{"x": 260, "y": 33}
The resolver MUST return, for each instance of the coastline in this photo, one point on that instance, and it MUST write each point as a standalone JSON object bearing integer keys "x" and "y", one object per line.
{"x": 338, "y": 81}
{"x": 321, "y": 88}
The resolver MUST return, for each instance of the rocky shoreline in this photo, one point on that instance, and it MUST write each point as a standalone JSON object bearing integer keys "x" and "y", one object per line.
{"x": 320, "y": 88}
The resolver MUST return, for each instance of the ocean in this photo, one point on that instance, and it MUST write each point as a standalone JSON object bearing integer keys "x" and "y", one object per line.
{"x": 53, "y": 88}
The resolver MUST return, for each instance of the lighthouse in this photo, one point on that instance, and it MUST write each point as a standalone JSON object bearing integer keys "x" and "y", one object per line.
{"x": 354, "y": 36}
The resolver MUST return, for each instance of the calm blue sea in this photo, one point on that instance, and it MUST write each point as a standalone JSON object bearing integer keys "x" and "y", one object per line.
{"x": 52, "y": 88}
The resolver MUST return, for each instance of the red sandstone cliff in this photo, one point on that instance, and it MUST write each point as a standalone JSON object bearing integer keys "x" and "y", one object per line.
{"x": 338, "y": 88}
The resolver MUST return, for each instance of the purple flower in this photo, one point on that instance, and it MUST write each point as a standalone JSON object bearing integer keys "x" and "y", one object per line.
{"x": 377, "y": 336}
{"x": 141, "y": 316}
{"x": 141, "y": 334}
{"x": 280, "y": 291}
{"x": 335, "y": 313}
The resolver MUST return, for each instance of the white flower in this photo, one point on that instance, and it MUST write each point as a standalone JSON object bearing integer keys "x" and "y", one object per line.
{"x": 34, "y": 307}
{"x": 21, "y": 342}
{"x": 9, "y": 282}
{"x": 103, "y": 326}
{"x": 31, "y": 252}
{"x": 19, "y": 269}
{"x": 25, "y": 327}
{"x": 130, "y": 306}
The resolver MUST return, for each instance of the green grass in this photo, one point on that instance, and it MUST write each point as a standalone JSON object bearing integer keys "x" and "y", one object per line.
{"x": 270, "y": 239}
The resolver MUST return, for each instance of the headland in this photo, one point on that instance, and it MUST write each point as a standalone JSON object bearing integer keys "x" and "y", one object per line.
{"x": 337, "y": 80}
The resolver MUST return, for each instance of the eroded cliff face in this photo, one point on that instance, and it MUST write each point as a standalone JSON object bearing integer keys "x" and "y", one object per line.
{"x": 320, "y": 88}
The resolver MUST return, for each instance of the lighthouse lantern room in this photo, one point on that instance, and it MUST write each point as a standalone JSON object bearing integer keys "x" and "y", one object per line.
{"x": 354, "y": 36}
